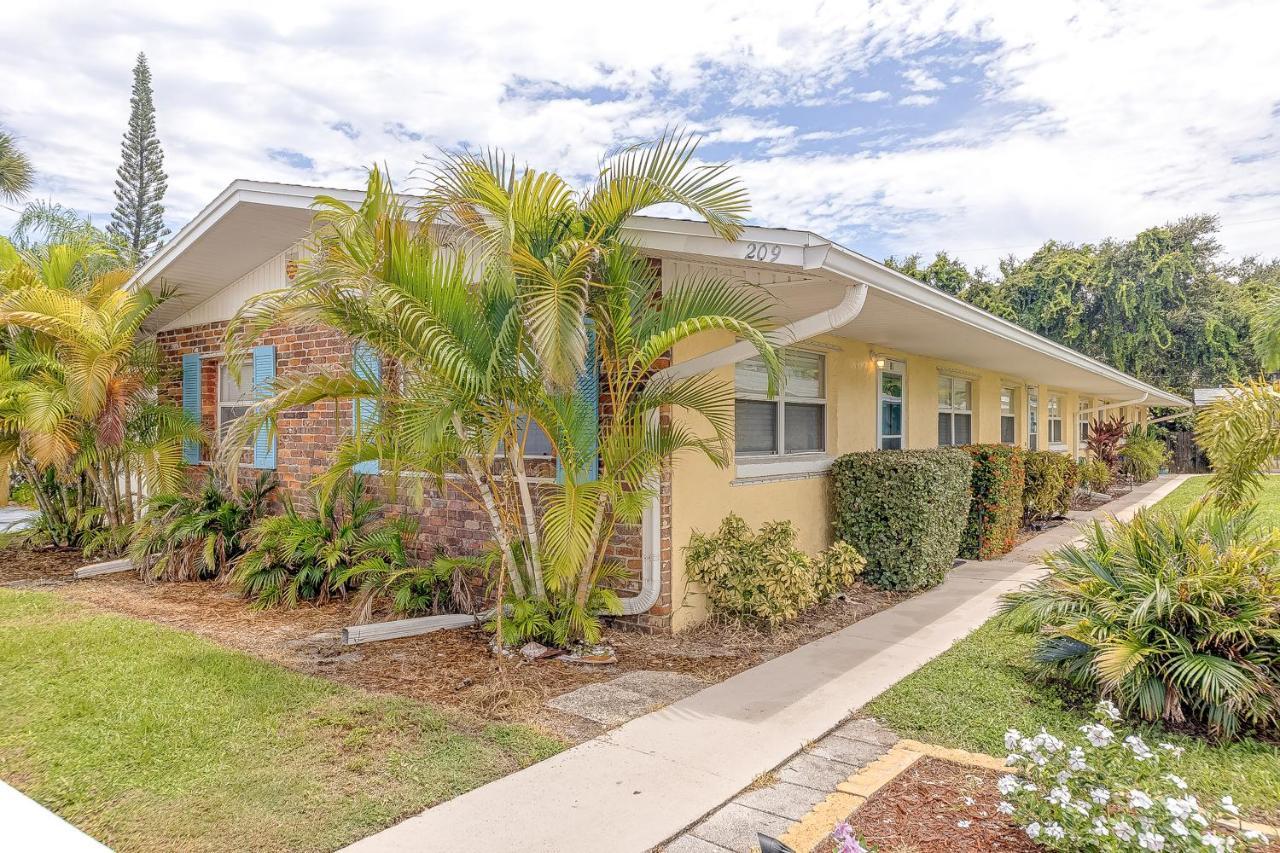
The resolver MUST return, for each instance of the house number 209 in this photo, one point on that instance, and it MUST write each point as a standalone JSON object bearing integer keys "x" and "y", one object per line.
{"x": 763, "y": 251}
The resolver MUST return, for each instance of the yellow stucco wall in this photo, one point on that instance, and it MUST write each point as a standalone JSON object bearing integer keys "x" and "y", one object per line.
{"x": 703, "y": 494}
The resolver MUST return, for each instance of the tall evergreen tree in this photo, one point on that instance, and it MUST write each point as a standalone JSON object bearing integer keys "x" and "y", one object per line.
{"x": 138, "y": 220}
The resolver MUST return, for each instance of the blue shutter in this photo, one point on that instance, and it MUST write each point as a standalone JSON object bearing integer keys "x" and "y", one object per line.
{"x": 587, "y": 386}
{"x": 364, "y": 411}
{"x": 264, "y": 374}
{"x": 191, "y": 403}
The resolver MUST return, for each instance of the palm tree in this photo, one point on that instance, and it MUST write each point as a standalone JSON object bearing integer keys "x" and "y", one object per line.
{"x": 16, "y": 172}
{"x": 77, "y": 383}
{"x": 1241, "y": 436}
{"x": 486, "y": 313}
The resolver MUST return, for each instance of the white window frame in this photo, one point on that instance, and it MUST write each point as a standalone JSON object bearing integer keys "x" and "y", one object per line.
{"x": 898, "y": 368}
{"x": 1033, "y": 419}
{"x": 1054, "y": 401}
{"x": 779, "y": 462}
{"x": 244, "y": 401}
{"x": 1012, "y": 414}
{"x": 951, "y": 379}
{"x": 1082, "y": 423}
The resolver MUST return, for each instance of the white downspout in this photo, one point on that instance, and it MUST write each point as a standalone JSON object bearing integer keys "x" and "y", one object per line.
{"x": 843, "y": 313}
{"x": 1134, "y": 402}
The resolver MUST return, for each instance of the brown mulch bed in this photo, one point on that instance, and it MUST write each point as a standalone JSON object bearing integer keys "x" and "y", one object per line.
{"x": 452, "y": 667}
{"x": 21, "y": 566}
{"x": 922, "y": 810}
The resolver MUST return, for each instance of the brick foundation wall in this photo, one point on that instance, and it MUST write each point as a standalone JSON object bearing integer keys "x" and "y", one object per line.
{"x": 307, "y": 437}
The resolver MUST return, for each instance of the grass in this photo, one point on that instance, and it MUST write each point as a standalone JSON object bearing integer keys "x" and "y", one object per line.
{"x": 972, "y": 693}
{"x": 148, "y": 738}
{"x": 1268, "y": 500}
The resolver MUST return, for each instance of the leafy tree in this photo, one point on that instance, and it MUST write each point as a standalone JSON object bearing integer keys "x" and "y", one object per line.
{"x": 138, "y": 219}
{"x": 944, "y": 272}
{"x": 475, "y": 365}
{"x": 16, "y": 172}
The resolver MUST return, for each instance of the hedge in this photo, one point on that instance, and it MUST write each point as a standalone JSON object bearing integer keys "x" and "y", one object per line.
{"x": 995, "y": 510}
{"x": 1051, "y": 479}
{"x": 904, "y": 510}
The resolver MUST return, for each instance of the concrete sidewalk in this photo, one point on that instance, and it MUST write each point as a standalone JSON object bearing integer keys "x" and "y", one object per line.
{"x": 638, "y": 785}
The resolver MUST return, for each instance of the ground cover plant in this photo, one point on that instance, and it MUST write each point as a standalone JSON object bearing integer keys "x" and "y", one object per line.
{"x": 761, "y": 577}
{"x": 153, "y": 739}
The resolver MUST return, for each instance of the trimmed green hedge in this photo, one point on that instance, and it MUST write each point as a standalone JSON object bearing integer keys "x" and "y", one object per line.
{"x": 995, "y": 511}
{"x": 904, "y": 510}
{"x": 1051, "y": 478}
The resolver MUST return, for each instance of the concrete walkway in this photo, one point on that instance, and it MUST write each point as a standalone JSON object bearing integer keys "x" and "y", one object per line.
{"x": 16, "y": 518}
{"x": 642, "y": 783}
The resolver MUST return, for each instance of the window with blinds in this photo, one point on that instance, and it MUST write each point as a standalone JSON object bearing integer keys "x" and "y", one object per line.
{"x": 1008, "y": 418}
{"x": 794, "y": 421}
{"x": 955, "y": 411}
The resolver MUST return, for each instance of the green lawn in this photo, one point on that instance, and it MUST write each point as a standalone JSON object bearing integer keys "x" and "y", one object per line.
{"x": 1268, "y": 501}
{"x": 148, "y": 738}
{"x": 969, "y": 696}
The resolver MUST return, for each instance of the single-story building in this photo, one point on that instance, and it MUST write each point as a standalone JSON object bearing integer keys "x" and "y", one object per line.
{"x": 874, "y": 359}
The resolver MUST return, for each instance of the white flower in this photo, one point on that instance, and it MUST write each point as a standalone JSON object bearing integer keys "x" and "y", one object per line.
{"x": 1123, "y": 830}
{"x": 964, "y": 824}
{"x": 1140, "y": 750}
{"x": 1151, "y": 841}
{"x": 1030, "y": 786}
{"x": 1033, "y": 830}
{"x": 1176, "y": 750}
{"x": 1178, "y": 808}
{"x": 1098, "y": 734}
{"x": 1179, "y": 828}
{"x": 1012, "y": 758}
{"x": 1108, "y": 710}
{"x": 1007, "y": 784}
{"x": 1011, "y": 738}
{"x": 1254, "y": 835}
{"x": 1063, "y": 776}
{"x": 1177, "y": 781}
{"x": 1059, "y": 796}
{"x": 1055, "y": 830}
{"x": 1101, "y": 796}
{"x": 1082, "y": 807}
{"x": 1075, "y": 760}
{"x": 1100, "y": 828}
{"x": 1139, "y": 799}
{"x": 1200, "y": 819}
{"x": 1048, "y": 742}
{"x": 1228, "y": 805}
{"x": 1216, "y": 842}
{"x": 1005, "y": 808}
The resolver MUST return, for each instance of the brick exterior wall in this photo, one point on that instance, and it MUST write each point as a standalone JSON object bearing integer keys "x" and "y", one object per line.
{"x": 307, "y": 437}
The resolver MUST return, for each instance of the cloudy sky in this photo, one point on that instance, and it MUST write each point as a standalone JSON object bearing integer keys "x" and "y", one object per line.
{"x": 981, "y": 128}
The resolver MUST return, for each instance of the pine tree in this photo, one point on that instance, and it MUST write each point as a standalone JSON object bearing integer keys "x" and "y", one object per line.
{"x": 138, "y": 220}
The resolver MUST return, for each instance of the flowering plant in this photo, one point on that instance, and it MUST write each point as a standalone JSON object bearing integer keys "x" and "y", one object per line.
{"x": 1110, "y": 792}
{"x": 845, "y": 841}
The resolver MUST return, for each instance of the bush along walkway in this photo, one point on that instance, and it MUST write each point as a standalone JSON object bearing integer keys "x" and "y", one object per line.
{"x": 645, "y": 782}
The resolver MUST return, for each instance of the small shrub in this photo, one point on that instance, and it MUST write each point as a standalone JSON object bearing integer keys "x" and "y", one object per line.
{"x": 305, "y": 555}
{"x": 762, "y": 577}
{"x": 1103, "y": 441}
{"x": 1173, "y": 615}
{"x": 1107, "y": 793}
{"x": 1142, "y": 456}
{"x": 1050, "y": 481}
{"x": 385, "y": 573}
{"x": 1094, "y": 475}
{"x": 904, "y": 510}
{"x": 995, "y": 509}
{"x": 198, "y": 534}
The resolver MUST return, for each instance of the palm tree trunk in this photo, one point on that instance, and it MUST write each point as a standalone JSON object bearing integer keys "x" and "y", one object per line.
{"x": 530, "y": 520}
{"x": 589, "y": 562}
{"x": 484, "y": 485}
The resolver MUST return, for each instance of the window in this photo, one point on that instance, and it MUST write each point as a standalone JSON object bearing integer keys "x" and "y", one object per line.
{"x": 955, "y": 412}
{"x": 1008, "y": 420}
{"x": 1055, "y": 421}
{"x": 1082, "y": 423}
{"x": 891, "y": 377}
{"x": 1033, "y": 420}
{"x": 235, "y": 395}
{"x": 792, "y": 422}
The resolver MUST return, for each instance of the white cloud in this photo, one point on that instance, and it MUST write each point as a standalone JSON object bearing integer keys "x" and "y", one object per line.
{"x": 1090, "y": 118}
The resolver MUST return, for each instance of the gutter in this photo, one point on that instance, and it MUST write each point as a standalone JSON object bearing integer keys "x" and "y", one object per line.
{"x": 843, "y": 313}
{"x": 1134, "y": 402}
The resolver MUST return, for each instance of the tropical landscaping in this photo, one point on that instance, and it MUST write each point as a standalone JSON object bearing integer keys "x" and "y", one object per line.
{"x": 507, "y": 309}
